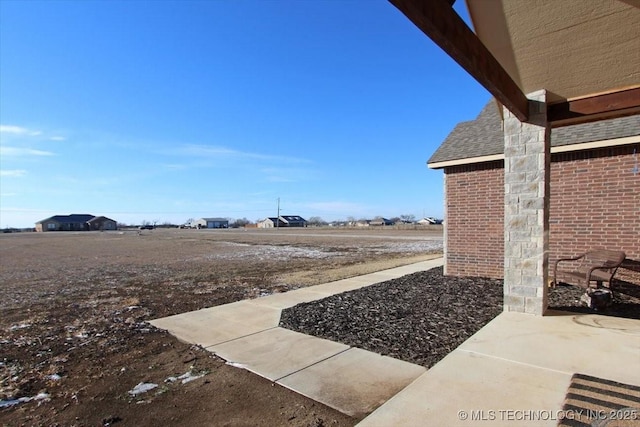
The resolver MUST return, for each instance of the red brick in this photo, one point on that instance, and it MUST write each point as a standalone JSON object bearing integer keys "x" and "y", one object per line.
{"x": 595, "y": 202}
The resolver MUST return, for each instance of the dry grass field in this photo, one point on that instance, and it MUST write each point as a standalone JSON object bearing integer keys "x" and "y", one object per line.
{"x": 74, "y": 337}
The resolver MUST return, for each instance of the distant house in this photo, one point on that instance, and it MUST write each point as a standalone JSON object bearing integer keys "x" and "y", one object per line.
{"x": 379, "y": 222}
{"x": 292, "y": 221}
{"x": 76, "y": 222}
{"x": 210, "y": 223}
{"x": 283, "y": 221}
{"x": 429, "y": 221}
{"x": 270, "y": 222}
{"x": 102, "y": 223}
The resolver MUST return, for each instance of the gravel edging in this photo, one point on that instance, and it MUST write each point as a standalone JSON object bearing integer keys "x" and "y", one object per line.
{"x": 422, "y": 317}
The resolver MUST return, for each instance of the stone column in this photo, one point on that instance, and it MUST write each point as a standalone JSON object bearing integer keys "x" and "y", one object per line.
{"x": 526, "y": 215}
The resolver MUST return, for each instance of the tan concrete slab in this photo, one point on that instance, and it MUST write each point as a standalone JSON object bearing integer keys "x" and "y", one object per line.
{"x": 277, "y": 352}
{"x": 410, "y": 268}
{"x": 606, "y": 347}
{"x": 248, "y": 313}
{"x": 340, "y": 286}
{"x": 288, "y": 299}
{"x": 467, "y": 389}
{"x": 212, "y": 326}
{"x": 354, "y": 382}
{"x": 393, "y": 273}
{"x": 358, "y": 282}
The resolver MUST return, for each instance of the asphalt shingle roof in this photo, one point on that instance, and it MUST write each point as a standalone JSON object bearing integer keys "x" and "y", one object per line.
{"x": 483, "y": 136}
{"x": 70, "y": 219}
{"x": 293, "y": 218}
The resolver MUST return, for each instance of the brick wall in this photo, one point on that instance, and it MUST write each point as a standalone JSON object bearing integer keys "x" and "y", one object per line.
{"x": 595, "y": 202}
{"x": 474, "y": 219}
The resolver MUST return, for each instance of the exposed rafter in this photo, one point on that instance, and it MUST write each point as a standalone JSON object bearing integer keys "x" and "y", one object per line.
{"x": 438, "y": 20}
{"x": 599, "y": 107}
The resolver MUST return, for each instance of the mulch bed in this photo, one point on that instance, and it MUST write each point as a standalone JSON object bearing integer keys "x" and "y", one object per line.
{"x": 422, "y": 317}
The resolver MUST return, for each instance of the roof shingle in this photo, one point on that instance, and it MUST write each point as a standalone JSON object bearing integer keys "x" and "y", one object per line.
{"x": 483, "y": 136}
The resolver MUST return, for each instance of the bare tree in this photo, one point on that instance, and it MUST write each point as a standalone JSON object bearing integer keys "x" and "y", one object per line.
{"x": 408, "y": 218}
{"x": 316, "y": 221}
{"x": 240, "y": 222}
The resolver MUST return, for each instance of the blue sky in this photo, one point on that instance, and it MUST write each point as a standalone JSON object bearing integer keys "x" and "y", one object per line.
{"x": 167, "y": 110}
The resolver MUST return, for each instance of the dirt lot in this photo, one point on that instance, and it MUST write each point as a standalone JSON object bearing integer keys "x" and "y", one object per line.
{"x": 74, "y": 338}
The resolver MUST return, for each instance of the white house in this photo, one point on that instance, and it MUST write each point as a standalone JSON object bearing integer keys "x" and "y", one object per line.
{"x": 210, "y": 223}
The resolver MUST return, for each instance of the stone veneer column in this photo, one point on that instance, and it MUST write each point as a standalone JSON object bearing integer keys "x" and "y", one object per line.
{"x": 526, "y": 215}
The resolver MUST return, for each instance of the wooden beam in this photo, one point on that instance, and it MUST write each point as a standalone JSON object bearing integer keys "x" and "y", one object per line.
{"x": 438, "y": 20}
{"x": 598, "y": 107}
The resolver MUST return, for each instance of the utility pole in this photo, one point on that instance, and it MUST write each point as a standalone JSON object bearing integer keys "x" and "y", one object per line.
{"x": 278, "y": 217}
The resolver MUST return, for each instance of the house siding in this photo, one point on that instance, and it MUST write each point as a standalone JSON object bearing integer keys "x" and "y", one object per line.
{"x": 595, "y": 202}
{"x": 474, "y": 220}
{"x": 44, "y": 226}
{"x": 76, "y": 222}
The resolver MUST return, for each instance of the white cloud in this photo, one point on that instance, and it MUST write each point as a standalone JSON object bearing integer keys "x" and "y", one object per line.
{"x": 175, "y": 166}
{"x": 18, "y": 130}
{"x": 11, "y": 131}
{"x": 13, "y": 172}
{"x": 18, "y": 151}
{"x": 278, "y": 175}
{"x": 213, "y": 152}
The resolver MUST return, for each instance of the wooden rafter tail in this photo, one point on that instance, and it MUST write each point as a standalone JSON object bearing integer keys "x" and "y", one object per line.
{"x": 438, "y": 20}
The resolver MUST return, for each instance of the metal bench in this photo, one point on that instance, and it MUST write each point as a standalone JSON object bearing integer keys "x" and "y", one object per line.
{"x": 597, "y": 266}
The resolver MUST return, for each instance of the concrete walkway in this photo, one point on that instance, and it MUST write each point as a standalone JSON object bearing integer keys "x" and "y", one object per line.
{"x": 246, "y": 334}
{"x": 514, "y": 371}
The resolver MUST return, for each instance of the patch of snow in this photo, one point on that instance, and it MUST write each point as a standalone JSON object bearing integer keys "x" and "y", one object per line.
{"x": 267, "y": 252}
{"x": 171, "y": 380}
{"x": 283, "y": 252}
{"x": 38, "y": 397}
{"x": 42, "y": 396}
{"x": 12, "y": 402}
{"x": 20, "y": 326}
{"x": 236, "y": 365}
{"x": 54, "y": 377}
{"x": 188, "y": 377}
{"x": 142, "y": 388}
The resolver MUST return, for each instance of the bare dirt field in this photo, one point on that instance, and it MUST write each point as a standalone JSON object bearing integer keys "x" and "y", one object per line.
{"x": 74, "y": 337}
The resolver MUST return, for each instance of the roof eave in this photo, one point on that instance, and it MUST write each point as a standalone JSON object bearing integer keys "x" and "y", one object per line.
{"x": 557, "y": 149}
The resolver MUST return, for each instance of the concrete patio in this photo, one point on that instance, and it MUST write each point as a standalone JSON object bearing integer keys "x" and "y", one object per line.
{"x": 516, "y": 368}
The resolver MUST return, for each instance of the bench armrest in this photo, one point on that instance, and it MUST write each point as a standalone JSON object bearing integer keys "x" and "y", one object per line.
{"x": 555, "y": 266}
{"x": 575, "y": 258}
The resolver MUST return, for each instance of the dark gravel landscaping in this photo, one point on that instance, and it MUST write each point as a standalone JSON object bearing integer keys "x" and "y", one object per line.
{"x": 422, "y": 317}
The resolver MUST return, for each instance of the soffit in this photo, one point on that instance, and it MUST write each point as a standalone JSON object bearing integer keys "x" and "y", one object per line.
{"x": 572, "y": 48}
